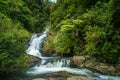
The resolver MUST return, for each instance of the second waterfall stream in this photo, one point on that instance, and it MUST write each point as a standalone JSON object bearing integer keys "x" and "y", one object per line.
{"x": 48, "y": 65}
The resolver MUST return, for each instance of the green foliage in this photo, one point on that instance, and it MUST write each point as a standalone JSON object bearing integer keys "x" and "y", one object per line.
{"x": 57, "y": 15}
{"x": 101, "y": 37}
{"x": 66, "y": 28}
{"x": 98, "y": 32}
{"x": 32, "y": 17}
{"x": 64, "y": 41}
{"x": 111, "y": 48}
{"x": 17, "y": 17}
{"x": 115, "y": 7}
{"x": 95, "y": 15}
{"x": 11, "y": 44}
{"x": 70, "y": 22}
{"x": 66, "y": 9}
{"x": 94, "y": 36}
{"x": 49, "y": 45}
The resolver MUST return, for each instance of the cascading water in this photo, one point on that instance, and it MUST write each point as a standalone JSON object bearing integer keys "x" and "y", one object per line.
{"x": 36, "y": 44}
{"x": 53, "y": 64}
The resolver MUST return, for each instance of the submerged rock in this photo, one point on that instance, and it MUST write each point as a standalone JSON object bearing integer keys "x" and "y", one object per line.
{"x": 94, "y": 64}
{"x": 63, "y": 75}
{"x": 60, "y": 74}
{"x": 79, "y": 78}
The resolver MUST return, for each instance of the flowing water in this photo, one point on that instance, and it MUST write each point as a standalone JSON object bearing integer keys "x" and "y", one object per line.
{"x": 48, "y": 65}
{"x": 54, "y": 64}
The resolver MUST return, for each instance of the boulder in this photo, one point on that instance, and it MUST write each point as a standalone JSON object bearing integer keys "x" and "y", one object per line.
{"x": 103, "y": 68}
{"x": 32, "y": 60}
{"x": 78, "y": 61}
{"x": 39, "y": 79}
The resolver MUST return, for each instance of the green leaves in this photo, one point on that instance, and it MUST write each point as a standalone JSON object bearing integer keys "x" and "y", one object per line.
{"x": 30, "y": 14}
{"x": 98, "y": 32}
{"x": 95, "y": 15}
{"x": 17, "y": 17}
{"x": 63, "y": 42}
{"x": 66, "y": 28}
{"x": 66, "y": 40}
{"x": 95, "y": 33}
{"x": 12, "y": 41}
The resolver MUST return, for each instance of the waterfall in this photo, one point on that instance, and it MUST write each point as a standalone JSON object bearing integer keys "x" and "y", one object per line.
{"x": 54, "y": 64}
{"x": 46, "y": 64}
{"x": 35, "y": 44}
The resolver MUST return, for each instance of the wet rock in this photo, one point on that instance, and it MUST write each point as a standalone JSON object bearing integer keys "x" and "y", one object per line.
{"x": 39, "y": 79}
{"x": 79, "y": 78}
{"x": 51, "y": 79}
{"x": 60, "y": 74}
{"x": 63, "y": 75}
{"x": 33, "y": 60}
{"x": 78, "y": 61}
{"x": 103, "y": 68}
{"x": 95, "y": 65}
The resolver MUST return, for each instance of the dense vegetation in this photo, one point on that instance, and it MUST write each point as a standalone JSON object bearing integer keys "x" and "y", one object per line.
{"x": 78, "y": 27}
{"x": 18, "y": 18}
{"x": 85, "y": 27}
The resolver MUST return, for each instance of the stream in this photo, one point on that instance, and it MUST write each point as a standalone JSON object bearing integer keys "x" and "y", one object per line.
{"x": 49, "y": 65}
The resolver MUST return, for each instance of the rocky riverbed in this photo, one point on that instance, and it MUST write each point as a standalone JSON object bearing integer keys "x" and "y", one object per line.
{"x": 95, "y": 65}
{"x": 62, "y": 75}
{"x": 69, "y": 78}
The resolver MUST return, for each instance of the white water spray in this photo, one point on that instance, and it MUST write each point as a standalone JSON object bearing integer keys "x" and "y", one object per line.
{"x": 36, "y": 44}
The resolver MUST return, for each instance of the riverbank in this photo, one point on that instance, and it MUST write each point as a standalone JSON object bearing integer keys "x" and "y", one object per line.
{"x": 94, "y": 64}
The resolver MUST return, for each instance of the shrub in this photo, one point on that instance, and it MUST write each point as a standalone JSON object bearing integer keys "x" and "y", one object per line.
{"x": 12, "y": 44}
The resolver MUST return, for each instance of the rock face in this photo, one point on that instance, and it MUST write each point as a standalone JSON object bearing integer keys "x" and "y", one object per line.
{"x": 94, "y": 64}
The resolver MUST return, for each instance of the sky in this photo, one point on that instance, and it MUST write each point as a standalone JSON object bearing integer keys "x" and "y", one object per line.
{"x": 53, "y": 0}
